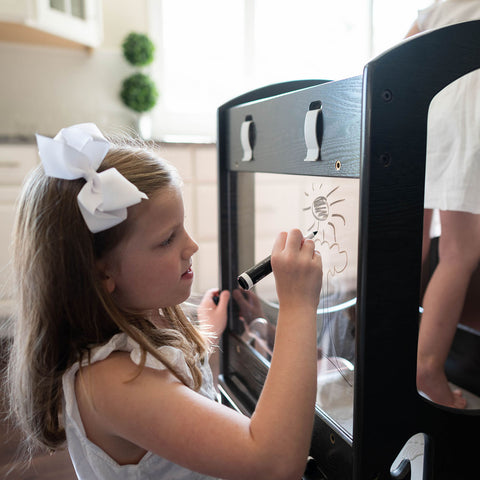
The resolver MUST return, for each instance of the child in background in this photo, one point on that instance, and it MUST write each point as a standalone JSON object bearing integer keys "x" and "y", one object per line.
{"x": 103, "y": 356}
{"x": 451, "y": 186}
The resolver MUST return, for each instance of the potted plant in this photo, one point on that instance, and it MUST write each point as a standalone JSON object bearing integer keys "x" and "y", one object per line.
{"x": 138, "y": 91}
{"x": 138, "y": 49}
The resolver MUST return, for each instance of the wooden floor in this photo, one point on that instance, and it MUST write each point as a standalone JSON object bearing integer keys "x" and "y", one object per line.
{"x": 43, "y": 467}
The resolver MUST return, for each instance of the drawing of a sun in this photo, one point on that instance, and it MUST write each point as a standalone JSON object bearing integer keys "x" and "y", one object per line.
{"x": 323, "y": 205}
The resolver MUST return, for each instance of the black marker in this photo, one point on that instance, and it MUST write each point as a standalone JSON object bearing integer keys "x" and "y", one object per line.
{"x": 253, "y": 275}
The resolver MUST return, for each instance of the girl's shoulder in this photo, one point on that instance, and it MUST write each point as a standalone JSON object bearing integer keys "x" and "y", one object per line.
{"x": 116, "y": 367}
{"x": 121, "y": 359}
{"x": 111, "y": 365}
{"x": 123, "y": 350}
{"x": 105, "y": 391}
{"x": 100, "y": 384}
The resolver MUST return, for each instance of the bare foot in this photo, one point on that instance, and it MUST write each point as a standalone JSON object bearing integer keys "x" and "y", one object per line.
{"x": 436, "y": 389}
{"x": 458, "y": 399}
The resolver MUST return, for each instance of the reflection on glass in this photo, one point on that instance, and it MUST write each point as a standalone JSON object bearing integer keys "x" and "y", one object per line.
{"x": 271, "y": 203}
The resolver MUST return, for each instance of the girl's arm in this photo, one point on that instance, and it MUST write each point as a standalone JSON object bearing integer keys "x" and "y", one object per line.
{"x": 157, "y": 413}
{"x": 414, "y": 29}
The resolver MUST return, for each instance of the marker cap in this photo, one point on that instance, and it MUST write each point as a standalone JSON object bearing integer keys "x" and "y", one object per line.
{"x": 245, "y": 281}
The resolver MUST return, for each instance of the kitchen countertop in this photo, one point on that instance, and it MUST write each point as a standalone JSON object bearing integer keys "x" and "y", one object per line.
{"x": 17, "y": 139}
{"x": 29, "y": 139}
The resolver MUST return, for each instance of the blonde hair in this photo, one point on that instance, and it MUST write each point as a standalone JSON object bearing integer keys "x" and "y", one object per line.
{"x": 63, "y": 308}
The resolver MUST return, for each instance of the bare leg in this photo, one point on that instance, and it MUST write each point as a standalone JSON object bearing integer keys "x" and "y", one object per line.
{"x": 459, "y": 251}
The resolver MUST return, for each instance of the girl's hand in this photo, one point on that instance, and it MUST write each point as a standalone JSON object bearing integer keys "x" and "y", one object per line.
{"x": 297, "y": 267}
{"x": 211, "y": 315}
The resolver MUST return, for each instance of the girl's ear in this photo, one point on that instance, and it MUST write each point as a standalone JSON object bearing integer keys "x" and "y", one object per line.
{"x": 105, "y": 276}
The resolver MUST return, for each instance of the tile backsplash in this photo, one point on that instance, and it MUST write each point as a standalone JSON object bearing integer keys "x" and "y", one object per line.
{"x": 197, "y": 165}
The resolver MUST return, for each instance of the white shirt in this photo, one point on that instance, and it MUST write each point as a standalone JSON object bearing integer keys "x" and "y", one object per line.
{"x": 89, "y": 460}
{"x": 453, "y": 142}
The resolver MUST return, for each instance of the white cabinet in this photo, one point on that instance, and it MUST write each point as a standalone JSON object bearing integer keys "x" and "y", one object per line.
{"x": 15, "y": 162}
{"x": 79, "y": 21}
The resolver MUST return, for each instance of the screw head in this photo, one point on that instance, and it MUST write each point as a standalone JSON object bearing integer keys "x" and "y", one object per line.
{"x": 385, "y": 159}
{"x": 387, "y": 95}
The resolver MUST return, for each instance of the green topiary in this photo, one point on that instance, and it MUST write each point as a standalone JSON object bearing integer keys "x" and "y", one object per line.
{"x": 138, "y": 49}
{"x": 139, "y": 92}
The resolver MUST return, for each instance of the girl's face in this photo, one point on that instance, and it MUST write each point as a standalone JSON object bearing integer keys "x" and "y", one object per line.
{"x": 151, "y": 267}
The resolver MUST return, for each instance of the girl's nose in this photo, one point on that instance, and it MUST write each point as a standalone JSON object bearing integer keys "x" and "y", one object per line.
{"x": 191, "y": 247}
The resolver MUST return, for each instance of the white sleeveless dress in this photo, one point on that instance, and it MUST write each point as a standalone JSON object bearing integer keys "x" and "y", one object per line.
{"x": 452, "y": 180}
{"x": 90, "y": 461}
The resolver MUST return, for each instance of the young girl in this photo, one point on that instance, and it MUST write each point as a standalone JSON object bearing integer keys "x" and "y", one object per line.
{"x": 103, "y": 356}
{"x": 452, "y": 175}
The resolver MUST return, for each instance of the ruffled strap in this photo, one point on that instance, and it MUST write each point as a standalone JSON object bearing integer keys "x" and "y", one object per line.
{"x": 171, "y": 354}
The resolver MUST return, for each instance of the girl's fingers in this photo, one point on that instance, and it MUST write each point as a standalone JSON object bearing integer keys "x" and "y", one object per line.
{"x": 280, "y": 241}
{"x": 309, "y": 246}
{"x": 224, "y": 299}
{"x": 294, "y": 240}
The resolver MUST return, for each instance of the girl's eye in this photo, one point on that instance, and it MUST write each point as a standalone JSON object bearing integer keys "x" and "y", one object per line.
{"x": 168, "y": 241}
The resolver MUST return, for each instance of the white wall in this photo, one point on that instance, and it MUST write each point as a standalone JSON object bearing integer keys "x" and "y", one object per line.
{"x": 46, "y": 88}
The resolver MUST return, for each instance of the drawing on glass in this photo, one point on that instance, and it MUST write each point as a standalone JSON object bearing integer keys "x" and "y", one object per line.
{"x": 330, "y": 206}
{"x": 325, "y": 210}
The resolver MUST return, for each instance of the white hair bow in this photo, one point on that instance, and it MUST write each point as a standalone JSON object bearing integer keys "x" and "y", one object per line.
{"x": 77, "y": 152}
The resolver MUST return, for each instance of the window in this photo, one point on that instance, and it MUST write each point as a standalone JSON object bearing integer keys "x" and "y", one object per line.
{"x": 76, "y": 8}
{"x": 211, "y": 51}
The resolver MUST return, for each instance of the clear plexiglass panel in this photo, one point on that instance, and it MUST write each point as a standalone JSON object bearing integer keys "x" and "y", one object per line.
{"x": 270, "y": 203}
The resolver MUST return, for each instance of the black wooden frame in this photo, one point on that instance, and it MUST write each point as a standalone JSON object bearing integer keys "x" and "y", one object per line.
{"x": 375, "y": 125}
